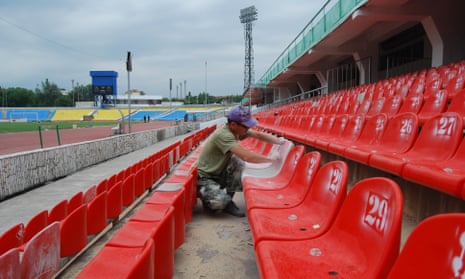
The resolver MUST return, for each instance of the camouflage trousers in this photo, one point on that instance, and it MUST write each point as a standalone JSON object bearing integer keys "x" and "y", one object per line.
{"x": 217, "y": 193}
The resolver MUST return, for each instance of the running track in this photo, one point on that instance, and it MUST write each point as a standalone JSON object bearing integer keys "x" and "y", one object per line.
{"x": 27, "y": 141}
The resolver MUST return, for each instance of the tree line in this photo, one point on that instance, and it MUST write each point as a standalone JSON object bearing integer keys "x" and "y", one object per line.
{"x": 50, "y": 95}
{"x": 47, "y": 95}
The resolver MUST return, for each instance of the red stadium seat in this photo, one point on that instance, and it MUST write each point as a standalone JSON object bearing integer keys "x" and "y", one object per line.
{"x": 73, "y": 232}
{"x": 363, "y": 241}
{"x": 148, "y": 176}
{"x": 281, "y": 178}
{"x": 434, "y": 249}
{"x": 392, "y": 106}
{"x": 139, "y": 182}
{"x": 115, "y": 201}
{"x": 457, "y": 103}
{"x": 190, "y": 191}
{"x": 351, "y": 133}
{"x": 129, "y": 192}
{"x": 97, "y": 214}
{"x": 446, "y": 176}
{"x": 296, "y": 132}
{"x": 437, "y": 140}
{"x": 398, "y": 137}
{"x": 323, "y": 130}
{"x": 102, "y": 186}
{"x": 12, "y": 238}
{"x": 75, "y": 201}
{"x": 41, "y": 257}
{"x": 58, "y": 212}
{"x": 171, "y": 196}
{"x": 35, "y": 224}
{"x": 121, "y": 263}
{"x": 455, "y": 85}
{"x": 335, "y": 132}
{"x": 89, "y": 194}
{"x": 309, "y": 219}
{"x": 376, "y": 107}
{"x": 291, "y": 195}
{"x": 412, "y": 103}
{"x": 10, "y": 264}
{"x": 134, "y": 233}
{"x": 369, "y": 136}
{"x": 433, "y": 105}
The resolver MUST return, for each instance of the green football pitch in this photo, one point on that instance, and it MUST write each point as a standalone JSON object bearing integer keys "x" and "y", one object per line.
{"x": 14, "y": 127}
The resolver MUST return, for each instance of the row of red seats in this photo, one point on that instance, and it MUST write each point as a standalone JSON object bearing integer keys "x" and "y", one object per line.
{"x": 399, "y": 94}
{"x": 84, "y": 215}
{"x": 311, "y": 227}
{"x": 306, "y": 226}
{"x": 144, "y": 247}
{"x": 432, "y": 154}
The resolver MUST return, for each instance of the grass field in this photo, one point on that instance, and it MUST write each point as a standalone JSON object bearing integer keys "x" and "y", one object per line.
{"x": 14, "y": 127}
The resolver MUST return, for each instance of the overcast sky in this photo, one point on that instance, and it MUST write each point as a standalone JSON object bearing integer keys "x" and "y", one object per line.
{"x": 64, "y": 40}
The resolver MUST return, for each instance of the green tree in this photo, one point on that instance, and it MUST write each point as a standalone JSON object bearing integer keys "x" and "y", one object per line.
{"x": 19, "y": 97}
{"x": 48, "y": 94}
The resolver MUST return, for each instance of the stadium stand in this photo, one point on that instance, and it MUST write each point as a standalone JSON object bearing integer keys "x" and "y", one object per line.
{"x": 34, "y": 115}
{"x": 71, "y": 114}
{"x": 110, "y": 114}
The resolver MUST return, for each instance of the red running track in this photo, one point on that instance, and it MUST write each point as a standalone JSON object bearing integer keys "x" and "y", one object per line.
{"x": 26, "y": 141}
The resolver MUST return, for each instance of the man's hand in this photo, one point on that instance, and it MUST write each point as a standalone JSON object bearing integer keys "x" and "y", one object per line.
{"x": 281, "y": 140}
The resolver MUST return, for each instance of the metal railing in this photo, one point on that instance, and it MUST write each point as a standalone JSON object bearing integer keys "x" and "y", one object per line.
{"x": 331, "y": 15}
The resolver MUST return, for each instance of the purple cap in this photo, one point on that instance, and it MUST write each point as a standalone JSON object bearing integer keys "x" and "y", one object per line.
{"x": 243, "y": 116}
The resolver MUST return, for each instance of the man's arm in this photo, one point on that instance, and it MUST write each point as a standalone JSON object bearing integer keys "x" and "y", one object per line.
{"x": 249, "y": 156}
{"x": 265, "y": 137}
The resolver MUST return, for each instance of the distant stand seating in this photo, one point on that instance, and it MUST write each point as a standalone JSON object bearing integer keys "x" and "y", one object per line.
{"x": 34, "y": 115}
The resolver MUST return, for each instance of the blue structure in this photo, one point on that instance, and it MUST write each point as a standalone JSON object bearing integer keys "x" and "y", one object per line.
{"x": 104, "y": 82}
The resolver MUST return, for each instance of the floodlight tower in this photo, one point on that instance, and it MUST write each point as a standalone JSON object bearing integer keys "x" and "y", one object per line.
{"x": 248, "y": 15}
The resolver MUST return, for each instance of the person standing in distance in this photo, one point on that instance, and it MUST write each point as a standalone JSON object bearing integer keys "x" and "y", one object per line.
{"x": 221, "y": 161}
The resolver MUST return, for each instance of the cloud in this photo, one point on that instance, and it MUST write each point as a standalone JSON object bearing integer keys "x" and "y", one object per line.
{"x": 64, "y": 40}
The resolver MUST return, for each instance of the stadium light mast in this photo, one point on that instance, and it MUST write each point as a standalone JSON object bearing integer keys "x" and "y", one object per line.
{"x": 247, "y": 17}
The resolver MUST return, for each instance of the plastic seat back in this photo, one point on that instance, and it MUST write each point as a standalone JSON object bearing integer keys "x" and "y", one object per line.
{"x": 129, "y": 192}
{"x": 457, "y": 103}
{"x": 329, "y": 190}
{"x": 412, "y": 103}
{"x": 97, "y": 214}
{"x": 10, "y": 265}
{"x": 41, "y": 257}
{"x": 439, "y": 138}
{"x": 73, "y": 232}
{"x": 148, "y": 176}
{"x": 400, "y": 133}
{"x": 372, "y": 130}
{"x": 115, "y": 200}
{"x": 306, "y": 169}
{"x": 455, "y": 84}
{"x": 376, "y": 107}
{"x": 102, "y": 186}
{"x": 35, "y": 224}
{"x": 372, "y": 214}
{"x": 90, "y": 194}
{"x": 434, "y": 249}
{"x": 392, "y": 105}
{"x": 12, "y": 238}
{"x": 433, "y": 105}
{"x": 58, "y": 212}
{"x": 144, "y": 265}
{"x": 139, "y": 182}
{"x": 75, "y": 201}
{"x": 354, "y": 127}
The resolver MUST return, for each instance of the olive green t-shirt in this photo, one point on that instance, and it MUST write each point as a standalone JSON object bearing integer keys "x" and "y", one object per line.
{"x": 215, "y": 153}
